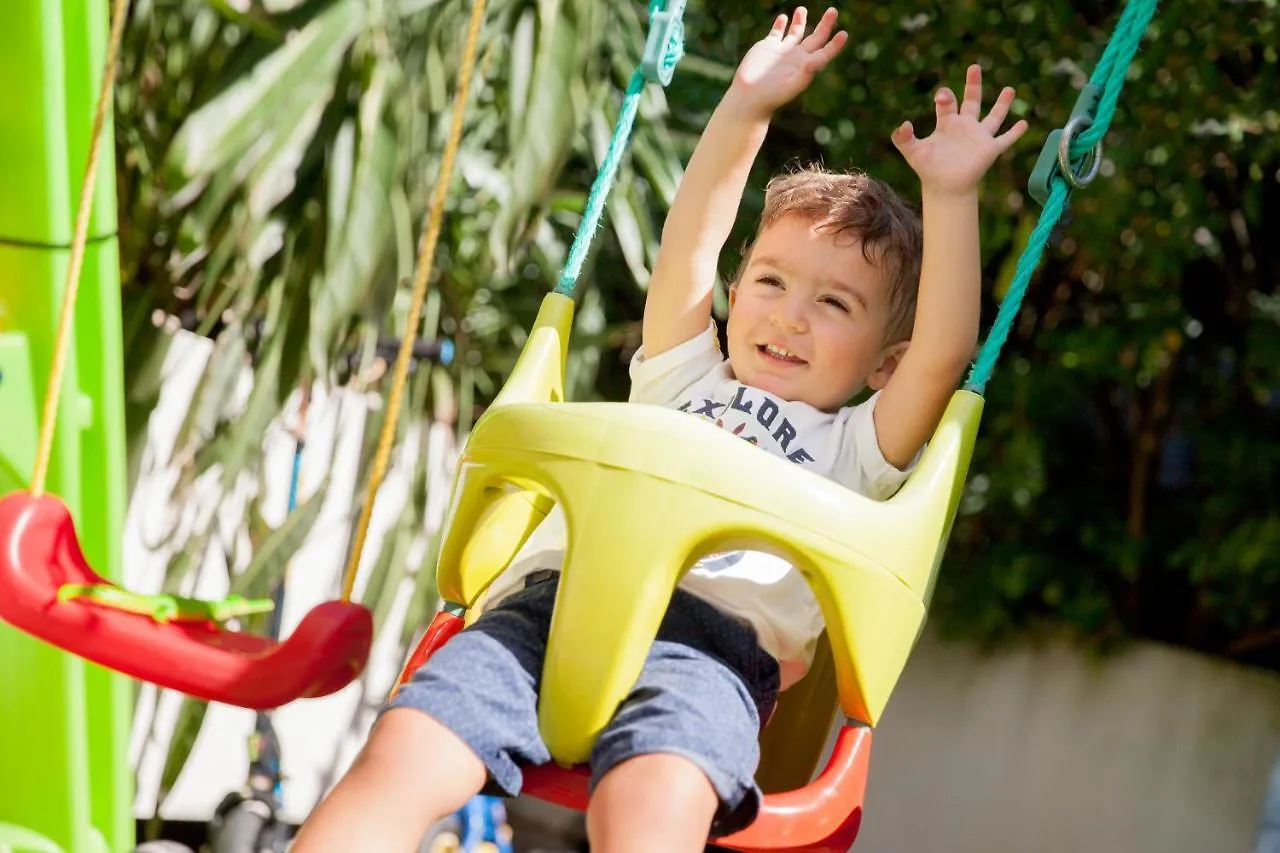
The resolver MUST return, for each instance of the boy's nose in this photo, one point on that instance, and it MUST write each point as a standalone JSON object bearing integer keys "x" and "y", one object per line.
{"x": 789, "y": 317}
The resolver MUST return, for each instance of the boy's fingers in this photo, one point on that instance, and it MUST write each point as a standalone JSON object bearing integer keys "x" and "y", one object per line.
{"x": 1012, "y": 135}
{"x": 945, "y": 102}
{"x": 822, "y": 32}
{"x": 831, "y": 48}
{"x": 903, "y": 136}
{"x": 999, "y": 110}
{"x": 972, "y": 104}
{"x": 798, "y": 20}
{"x": 779, "y": 27}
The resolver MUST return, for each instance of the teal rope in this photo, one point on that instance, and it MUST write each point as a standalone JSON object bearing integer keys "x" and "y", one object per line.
{"x": 668, "y": 45}
{"x": 1108, "y": 77}
{"x": 1112, "y": 69}
{"x": 603, "y": 183}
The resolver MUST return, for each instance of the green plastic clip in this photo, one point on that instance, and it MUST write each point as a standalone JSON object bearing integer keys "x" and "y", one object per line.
{"x": 665, "y": 43}
{"x": 1054, "y": 158}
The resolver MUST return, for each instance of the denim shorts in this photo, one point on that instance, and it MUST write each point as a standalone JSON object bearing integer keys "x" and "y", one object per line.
{"x": 704, "y": 690}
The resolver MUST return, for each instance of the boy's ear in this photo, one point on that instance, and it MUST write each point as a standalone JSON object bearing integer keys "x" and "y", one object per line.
{"x": 733, "y": 294}
{"x": 890, "y": 358}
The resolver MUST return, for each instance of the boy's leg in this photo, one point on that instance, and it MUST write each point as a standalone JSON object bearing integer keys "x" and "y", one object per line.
{"x": 677, "y": 762}
{"x": 659, "y": 801}
{"x": 469, "y": 714}
{"x": 412, "y": 772}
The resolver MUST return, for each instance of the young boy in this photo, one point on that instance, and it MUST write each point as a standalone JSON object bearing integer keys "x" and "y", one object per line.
{"x": 823, "y": 307}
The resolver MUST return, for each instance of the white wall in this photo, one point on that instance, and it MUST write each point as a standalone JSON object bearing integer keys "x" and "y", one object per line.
{"x": 1045, "y": 749}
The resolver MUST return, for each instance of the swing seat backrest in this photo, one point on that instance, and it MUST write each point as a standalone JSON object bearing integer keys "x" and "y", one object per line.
{"x": 647, "y": 491}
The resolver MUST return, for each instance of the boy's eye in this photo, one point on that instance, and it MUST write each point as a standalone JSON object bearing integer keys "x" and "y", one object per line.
{"x": 838, "y": 304}
{"x": 770, "y": 281}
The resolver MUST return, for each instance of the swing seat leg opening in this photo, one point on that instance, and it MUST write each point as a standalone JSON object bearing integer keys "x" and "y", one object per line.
{"x": 821, "y": 817}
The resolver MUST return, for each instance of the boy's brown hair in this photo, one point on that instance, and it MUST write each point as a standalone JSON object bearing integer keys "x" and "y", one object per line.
{"x": 854, "y": 203}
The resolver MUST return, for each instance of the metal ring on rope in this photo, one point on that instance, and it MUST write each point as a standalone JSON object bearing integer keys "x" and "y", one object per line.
{"x": 1092, "y": 161}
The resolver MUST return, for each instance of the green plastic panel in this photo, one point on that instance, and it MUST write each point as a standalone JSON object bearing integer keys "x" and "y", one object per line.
{"x": 56, "y": 48}
{"x": 17, "y": 839}
{"x": 17, "y": 411}
{"x": 64, "y": 723}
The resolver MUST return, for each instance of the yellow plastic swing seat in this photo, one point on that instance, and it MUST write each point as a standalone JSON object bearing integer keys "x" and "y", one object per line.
{"x": 646, "y": 491}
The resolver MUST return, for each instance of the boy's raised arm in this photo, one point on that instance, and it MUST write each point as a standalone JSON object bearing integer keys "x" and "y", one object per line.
{"x": 950, "y": 163}
{"x": 774, "y": 70}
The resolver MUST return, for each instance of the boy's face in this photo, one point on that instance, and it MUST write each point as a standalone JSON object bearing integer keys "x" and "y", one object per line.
{"x": 808, "y": 316}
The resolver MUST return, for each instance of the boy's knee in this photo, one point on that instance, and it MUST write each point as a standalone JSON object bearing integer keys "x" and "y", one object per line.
{"x": 662, "y": 782}
{"x": 405, "y": 740}
{"x": 394, "y": 737}
{"x": 418, "y": 762}
{"x": 411, "y": 772}
{"x": 658, "y": 801}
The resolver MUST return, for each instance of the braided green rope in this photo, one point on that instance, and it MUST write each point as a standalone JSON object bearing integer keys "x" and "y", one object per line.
{"x": 603, "y": 183}
{"x": 1108, "y": 77}
{"x": 662, "y": 52}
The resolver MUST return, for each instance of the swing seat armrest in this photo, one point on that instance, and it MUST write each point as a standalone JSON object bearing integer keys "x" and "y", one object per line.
{"x": 903, "y": 535}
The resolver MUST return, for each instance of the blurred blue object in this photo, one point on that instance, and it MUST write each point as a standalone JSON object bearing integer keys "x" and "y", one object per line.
{"x": 484, "y": 819}
{"x": 1269, "y": 825}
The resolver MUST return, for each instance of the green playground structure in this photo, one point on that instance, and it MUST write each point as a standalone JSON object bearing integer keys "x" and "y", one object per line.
{"x": 65, "y": 780}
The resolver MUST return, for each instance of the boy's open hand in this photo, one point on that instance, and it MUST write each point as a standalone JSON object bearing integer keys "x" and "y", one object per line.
{"x": 963, "y": 145}
{"x": 782, "y": 64}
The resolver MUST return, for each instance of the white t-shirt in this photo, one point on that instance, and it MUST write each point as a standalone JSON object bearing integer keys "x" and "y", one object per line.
{"x": 759, "y": 589}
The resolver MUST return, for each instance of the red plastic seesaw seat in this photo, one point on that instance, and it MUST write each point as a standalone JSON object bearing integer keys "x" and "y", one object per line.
{"x": 39, "y": 552}
{"x": 821, "y": 817}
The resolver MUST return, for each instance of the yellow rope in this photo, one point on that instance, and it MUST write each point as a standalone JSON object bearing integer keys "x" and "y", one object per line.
{"x": 49, "y": 418}
{"x": 425, "y": 260}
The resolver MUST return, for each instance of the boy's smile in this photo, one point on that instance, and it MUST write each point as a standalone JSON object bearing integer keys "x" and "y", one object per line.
{"x": 777, "y": 353}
